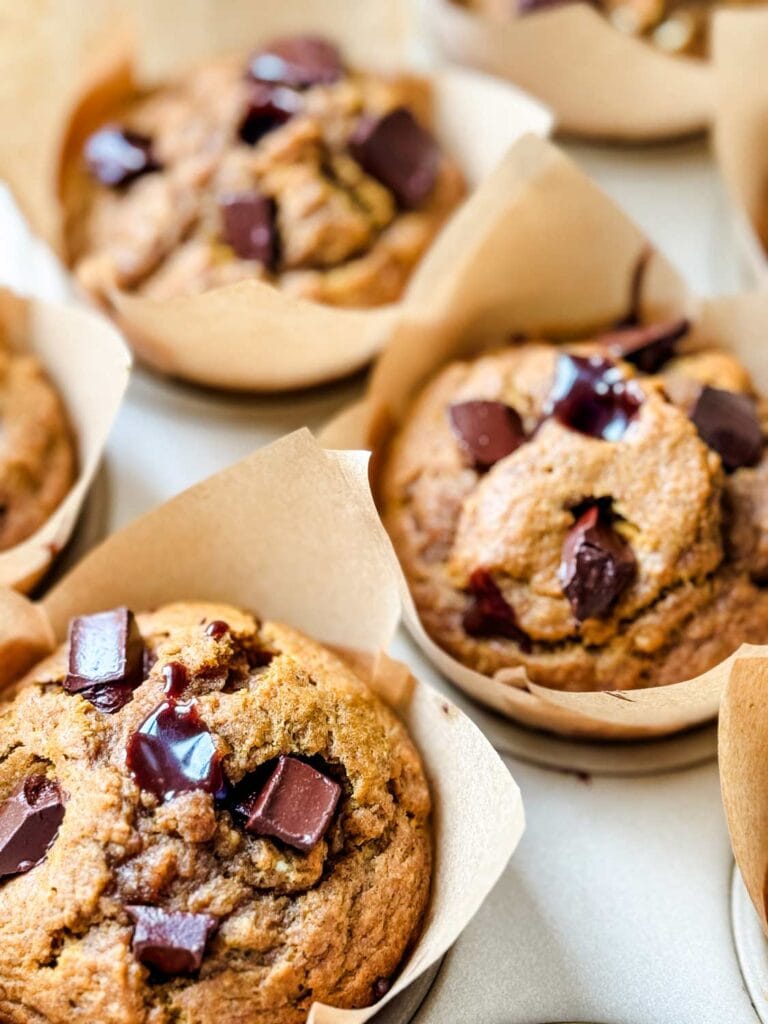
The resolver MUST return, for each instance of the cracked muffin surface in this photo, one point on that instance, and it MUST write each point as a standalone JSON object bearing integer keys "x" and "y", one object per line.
{"x": 223, "y": 177}
{"x": 620, "y": 559}
{"x": 285, "y": 927}
{"x": 37, "y": 451}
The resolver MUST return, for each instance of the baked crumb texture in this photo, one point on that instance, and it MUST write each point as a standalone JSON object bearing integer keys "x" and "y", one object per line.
{"x": 591, "y": 563}
{"x": 276, "y": 927}
{"x": 38, "y": 464}
{"x": 263, "y": 169}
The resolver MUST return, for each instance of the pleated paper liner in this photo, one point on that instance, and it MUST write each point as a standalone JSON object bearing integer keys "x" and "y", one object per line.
{"x": 249, "y": 335}
{"x": 742, "y": 747}
{"x": 599, "y": 82}
{"x": 291, "y": 533}
{"x": 85, "y": 358}
{"x": 741, "y": 129}
{"x": 546, "y": 253}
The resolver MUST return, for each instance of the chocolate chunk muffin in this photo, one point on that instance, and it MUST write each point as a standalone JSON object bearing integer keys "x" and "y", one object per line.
{"x": 287, "y": 167}
{"x": 38, "y": 463}
{"x": 596, "y": 514}
{"x": 676, "y": 27}
{"x": 203, "y": 818}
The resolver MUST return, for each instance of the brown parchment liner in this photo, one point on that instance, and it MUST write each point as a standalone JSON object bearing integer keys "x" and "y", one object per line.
{"x": 598, "y": 81}
{"x": 545, "y": 252}
{"x": 86, "y": 359}
{"x": 740, "y": 41}
{"x": 292, "y": 533}
{"x": 742, "y": 739}
{"x": 247, "y": 335}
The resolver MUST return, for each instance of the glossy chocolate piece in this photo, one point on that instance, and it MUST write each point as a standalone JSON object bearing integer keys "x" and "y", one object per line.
{"x": 488, "y": 614}
{"x": 29, "y": 822}
{"x": 647, "y": 346}
{"x": 173, "y": 942}
{"x": 597, "y": 565}
{"x": 728, "y": 423}
{"x": 591, "y": 396}
{"x": 106, "y": 658}
{"x": 295, "y": 805}
{"x": 268, "y": 107}
{"x": 298, "y": 62}
{"x": 116, "y": 156}
{"x": 173, "y": 752}
{"x": 175, "y": 679}
{"x": 248, "y": 220}
{"x": 399, "y": 153}
{"x": 487, "y": 431}
{"x": 217, "y": 629}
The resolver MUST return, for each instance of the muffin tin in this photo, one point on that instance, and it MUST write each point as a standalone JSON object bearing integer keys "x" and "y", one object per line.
{"x": 619, "y": 906}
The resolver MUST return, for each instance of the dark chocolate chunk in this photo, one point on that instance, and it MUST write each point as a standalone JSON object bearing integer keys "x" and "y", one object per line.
{"x": 106, "y": 658}
{"x": 29, "y": 822}
{"x": 597, "y": 565}
{"x": 175, "y": 679}
{"x": 173, "y": 752}
{"x": 728, "y": 423}
{"x": 217, "y": 629}
{"x": 172, "y": 942}
{"x": 488, "y": 613}
{"x": 399, "y": 153}
{"x": 380, "y": 988}
{"x": 116, "y": 156}
{"x": 297, "y": 61}
{"x": 249, "y": 226}
{"x": 647, "y": 346}
{"x": 269, "y": 107}
{"x": 591, "y": 396}
{"x": 487, "y": 431}
{"x": 295, "y": 805}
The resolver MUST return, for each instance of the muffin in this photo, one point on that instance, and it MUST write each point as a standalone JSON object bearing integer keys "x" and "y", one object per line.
{"x": 595, "y": 514}
{"x": 203, "y": 817}
{"x": 287, "y": 167}
{"x": 37, "y": 454}
{"x": 676, "y": 27}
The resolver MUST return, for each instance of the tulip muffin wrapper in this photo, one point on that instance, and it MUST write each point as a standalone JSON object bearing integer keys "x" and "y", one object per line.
{"x": 599, "y": 82}
{"x": 265, "y": 340}
{"x": 742, "y": 745}
{"x": 569, "y": 280}
{"x": 741, "y": 129}
{"x": 86, "y": 360}
{"x": 291, "y": 533}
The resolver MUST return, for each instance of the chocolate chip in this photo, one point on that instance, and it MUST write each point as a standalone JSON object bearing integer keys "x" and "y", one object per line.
{"x": 597, "y": 565}
{"x": 399, "y": 153}
{"x": 297, "y": 61}
{"x": 488, "y": 613}
{"x": 175, "y": 679}
{"x": 380, "y": 988}
{"x": 116, "y": 156}
{"x": 173, "y": 752}
{"x": 173, "y": 942}
{"x": 268, "y": 108}
{"x": 249, "y": 226}
{"x": 487, "y": 431}
{"x": 591, "y": 396}
{"x": 295, "y": 805}
{"x": 29, "y": 822}
{"x": 728, "y": 423}
{"x": 217, "y": 629}
{"x": 106, "y": 658}
{"x": 647, "y": 346}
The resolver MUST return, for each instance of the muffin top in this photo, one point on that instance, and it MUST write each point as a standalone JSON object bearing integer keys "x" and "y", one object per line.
{"x": 287, "y": 167}
{"x": 38, "y": 463}
{"x": 595, "y": 513}
{"x": 203, "y": 818}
